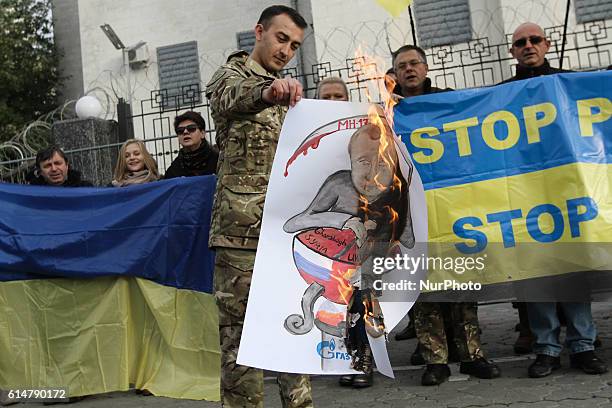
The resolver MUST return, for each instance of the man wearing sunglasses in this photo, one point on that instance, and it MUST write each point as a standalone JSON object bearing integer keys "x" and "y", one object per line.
{"x": 529, "y": 48}
{"x": 196, "y": 157}
{"x": 248, "y": 100}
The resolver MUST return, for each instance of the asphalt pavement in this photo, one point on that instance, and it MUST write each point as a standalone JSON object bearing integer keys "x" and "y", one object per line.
{"x": 565, "y": 388}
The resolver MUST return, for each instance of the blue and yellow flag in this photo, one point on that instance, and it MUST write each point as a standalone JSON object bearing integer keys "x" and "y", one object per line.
{"x": 519, "y": 173}
{"x": 101, "y": 288}
{"x": 394, "y": 7}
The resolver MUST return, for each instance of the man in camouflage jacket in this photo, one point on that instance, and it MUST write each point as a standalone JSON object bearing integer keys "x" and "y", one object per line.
{"x": 249, "y": 100}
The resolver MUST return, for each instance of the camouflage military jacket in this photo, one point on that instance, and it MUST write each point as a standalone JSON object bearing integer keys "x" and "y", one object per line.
{"x": 247, "y": 134}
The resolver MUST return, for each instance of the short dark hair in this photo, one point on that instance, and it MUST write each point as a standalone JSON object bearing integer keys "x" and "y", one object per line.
{"x": 47, "y": 153}
{"x": 405, "y": 48}
{"x": 269, "y": 13}
{"x": 193, "y": 116}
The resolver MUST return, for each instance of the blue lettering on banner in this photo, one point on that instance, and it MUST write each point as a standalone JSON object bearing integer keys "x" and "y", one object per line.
{"x": 579, "y": 210}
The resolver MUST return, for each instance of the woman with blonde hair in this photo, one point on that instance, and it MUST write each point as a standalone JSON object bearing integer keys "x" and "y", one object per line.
{"x": 333, "y": 89}
{"x": 135, "y": 165}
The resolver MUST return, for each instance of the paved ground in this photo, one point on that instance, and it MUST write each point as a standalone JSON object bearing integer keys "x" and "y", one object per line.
{"x": 566, "y": 388}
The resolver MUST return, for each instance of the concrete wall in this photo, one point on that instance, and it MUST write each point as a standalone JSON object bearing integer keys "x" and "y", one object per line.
{"x": 94, "y": 64}
{"x": 339, "y": 30}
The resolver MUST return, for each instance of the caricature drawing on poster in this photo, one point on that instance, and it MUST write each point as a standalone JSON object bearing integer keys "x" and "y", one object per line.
{"x": 342, "y": 192}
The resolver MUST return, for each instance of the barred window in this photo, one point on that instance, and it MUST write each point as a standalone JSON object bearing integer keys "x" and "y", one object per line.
{"x": 592, "y": 10}
{"x": 246, "y": 40}
{"x": 179, "y": 75}
{"x": 442, "y": 22}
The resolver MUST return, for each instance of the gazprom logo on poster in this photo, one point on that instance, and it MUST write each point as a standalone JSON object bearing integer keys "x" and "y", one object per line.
{"x": 326, "y": 349}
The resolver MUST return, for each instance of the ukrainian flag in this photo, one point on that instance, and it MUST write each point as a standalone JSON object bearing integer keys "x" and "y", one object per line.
{"x": 519, "y": 173}
{"x": 101, "y": 289}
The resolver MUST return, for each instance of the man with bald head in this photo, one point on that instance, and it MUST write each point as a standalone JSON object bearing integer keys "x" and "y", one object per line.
{"x": 529, "y": 48}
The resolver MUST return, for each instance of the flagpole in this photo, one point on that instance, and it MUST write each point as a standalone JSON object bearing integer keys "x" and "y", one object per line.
{"x": 414, "y": 39}
{"x": 567, "y": 9}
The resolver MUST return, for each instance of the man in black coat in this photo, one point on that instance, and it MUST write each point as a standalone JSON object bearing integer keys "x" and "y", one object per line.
{"x": 196, "y": 157}
{"x": 52, "y": 169}
{"x": 410, "y": 68}
{"x": 439, "y": 324}
{"x": 529, "y": 48}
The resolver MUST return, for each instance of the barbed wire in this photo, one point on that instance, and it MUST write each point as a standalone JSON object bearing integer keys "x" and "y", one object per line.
{"x": 376, "y": 38}
{"x": 336, "y": 47}
{"x": 36, "y": 135}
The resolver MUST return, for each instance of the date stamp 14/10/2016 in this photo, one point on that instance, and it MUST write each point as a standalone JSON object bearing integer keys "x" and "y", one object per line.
{"x": 46, "y": 394}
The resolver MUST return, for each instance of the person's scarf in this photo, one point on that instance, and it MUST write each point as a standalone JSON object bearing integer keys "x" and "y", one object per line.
{"x": 138, "y": 177}
{"x": 195, "y": 162}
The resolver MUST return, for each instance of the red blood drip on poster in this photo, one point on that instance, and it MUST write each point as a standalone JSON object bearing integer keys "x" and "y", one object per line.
{"x": 303, "y": 149}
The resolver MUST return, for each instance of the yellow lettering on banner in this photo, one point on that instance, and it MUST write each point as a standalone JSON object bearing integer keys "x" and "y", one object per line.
{"x": 488, "y": 130}
{"x": 463, "y": 137}
{"x": 586, "y": 117}
{"x": 533, "y": 124}
{"x": 436, "y": 146}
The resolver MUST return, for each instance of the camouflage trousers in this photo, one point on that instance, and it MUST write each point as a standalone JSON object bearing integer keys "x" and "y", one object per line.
{"x": 431, "y": 333}
{"x": 243, "y": 386}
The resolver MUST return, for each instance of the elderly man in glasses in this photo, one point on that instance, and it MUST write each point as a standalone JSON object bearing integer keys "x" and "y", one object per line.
{"x": 529, "y": 48}
{"x": 196, "y": 157}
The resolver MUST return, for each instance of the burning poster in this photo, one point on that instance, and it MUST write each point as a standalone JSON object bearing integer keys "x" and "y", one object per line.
{"x": 342, "y": 193}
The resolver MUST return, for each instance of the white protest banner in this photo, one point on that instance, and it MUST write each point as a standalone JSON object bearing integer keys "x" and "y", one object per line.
{"x": 308, "y": 250}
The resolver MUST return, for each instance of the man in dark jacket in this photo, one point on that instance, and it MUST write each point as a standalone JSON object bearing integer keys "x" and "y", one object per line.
{"x": 196, "y": 157}
{"x": 440, "y": 324}
{"x": 52, "y": 169}
{"x": 529, "y": 48}
{"x": 410, "y": 68}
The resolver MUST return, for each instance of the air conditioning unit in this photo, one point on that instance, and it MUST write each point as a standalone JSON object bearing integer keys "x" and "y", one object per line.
{"x": 138, "y": 56}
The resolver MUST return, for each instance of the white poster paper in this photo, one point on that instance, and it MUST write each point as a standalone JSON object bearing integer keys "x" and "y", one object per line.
{"x": 297, "y": 303}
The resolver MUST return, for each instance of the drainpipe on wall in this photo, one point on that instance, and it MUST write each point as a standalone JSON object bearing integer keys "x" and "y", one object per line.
{"x": 300, "y": 56}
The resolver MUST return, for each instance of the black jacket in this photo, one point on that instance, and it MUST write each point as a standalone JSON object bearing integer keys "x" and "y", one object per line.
{"x": 427, "y": 88}
{"x": 523, "y": 72}
{"x": 73, "y": 180}
{"x": 179, "y": 167}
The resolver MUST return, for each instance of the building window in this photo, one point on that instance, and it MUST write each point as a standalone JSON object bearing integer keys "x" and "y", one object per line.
{"x": 179, "y": 75}
{"x": 442, "y": 22}
{"x": 246, "y": 40}
{"x": 592, "y": 10}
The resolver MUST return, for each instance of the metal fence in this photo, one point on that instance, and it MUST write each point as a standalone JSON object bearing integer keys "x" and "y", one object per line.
{"x": 472, "y": 64}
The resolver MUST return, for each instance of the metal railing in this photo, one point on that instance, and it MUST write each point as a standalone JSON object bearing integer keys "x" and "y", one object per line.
{"x": 472, "y": 64}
